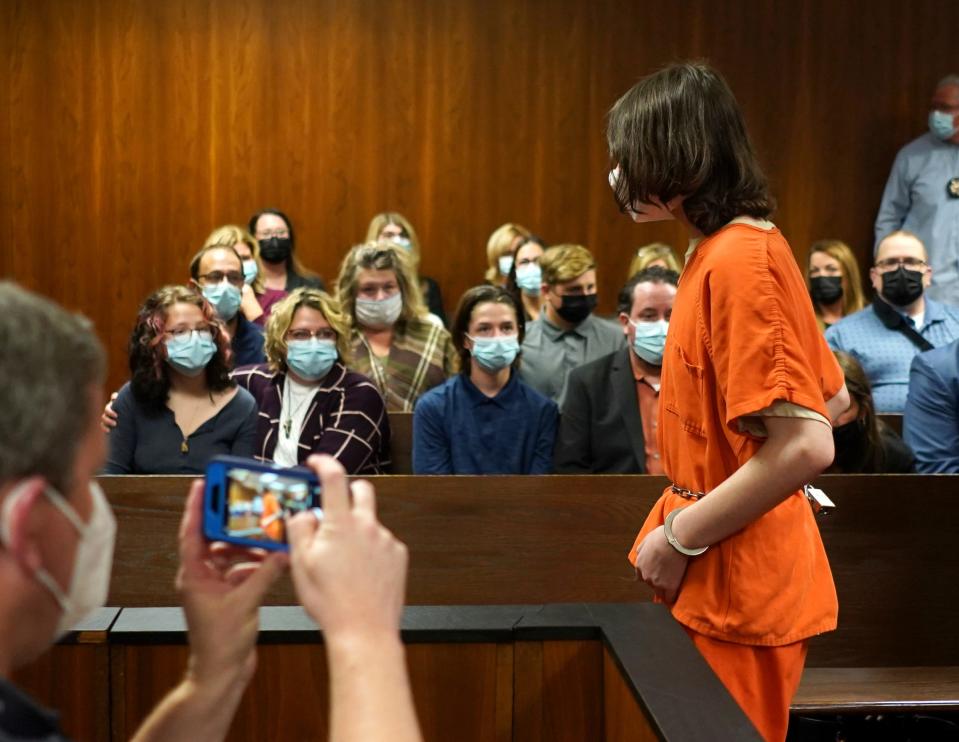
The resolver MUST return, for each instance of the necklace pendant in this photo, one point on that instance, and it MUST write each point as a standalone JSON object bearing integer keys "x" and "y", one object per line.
{"x": 184, "y": 446}
{"x": 952, "y": 188}
{"x": 286, "y": 426}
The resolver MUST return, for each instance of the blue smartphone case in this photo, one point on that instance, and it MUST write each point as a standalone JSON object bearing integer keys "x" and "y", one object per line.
{"x": 215, "y": 497}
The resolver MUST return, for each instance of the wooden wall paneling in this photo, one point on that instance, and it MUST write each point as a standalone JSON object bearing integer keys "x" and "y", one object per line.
{"x": 558, "y": 691}
{"x": 623, "y": 719}
{"x": 131, "y": 129}
{"x": 73, "y": 679}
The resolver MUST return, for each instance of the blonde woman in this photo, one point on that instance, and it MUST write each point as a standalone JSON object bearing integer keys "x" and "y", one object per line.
{"x": 232, "y": 235}
{"x": 309, "y": 401}
{"x": 655, "y": 253}
{"x": 834, "y": 282}
{"x": 500, "y": 249}
{"x": 390, "y": 227}
{"x": 393, "y": 341}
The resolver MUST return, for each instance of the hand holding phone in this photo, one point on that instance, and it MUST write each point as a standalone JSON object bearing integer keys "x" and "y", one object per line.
{"x": 348, "y": 569}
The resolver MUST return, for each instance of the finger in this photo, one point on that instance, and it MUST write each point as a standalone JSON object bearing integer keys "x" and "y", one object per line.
{"x": 256, "y": 585}
{"x": 364, "y": 498}
{"x": 300, "y": 530}
{"x": 336, "y": 494}
{"x": 192, "y": 543}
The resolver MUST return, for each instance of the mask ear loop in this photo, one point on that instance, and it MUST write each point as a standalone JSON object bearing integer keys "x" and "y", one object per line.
{"x": 40, "y": 574}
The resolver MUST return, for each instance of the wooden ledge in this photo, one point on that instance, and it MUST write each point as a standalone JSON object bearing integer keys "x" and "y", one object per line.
{"x": 873, "y": 689}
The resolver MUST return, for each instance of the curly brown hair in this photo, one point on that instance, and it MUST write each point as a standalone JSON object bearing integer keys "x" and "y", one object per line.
{"x": 150, "y": 379}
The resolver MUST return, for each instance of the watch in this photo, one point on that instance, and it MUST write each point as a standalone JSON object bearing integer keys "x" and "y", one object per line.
{"x": 673, "y": 541}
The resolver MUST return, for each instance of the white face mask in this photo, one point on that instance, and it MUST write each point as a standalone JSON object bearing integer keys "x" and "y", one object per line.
{"x": 90, "y": 580}
{"x": 655, "y": 211}
{"x": 378, "y": 314}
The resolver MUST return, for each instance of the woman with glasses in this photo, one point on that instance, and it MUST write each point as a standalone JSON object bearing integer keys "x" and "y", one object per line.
{"x": 393, "y": 341}
{"x": 525, "y": 279}
{"x": 282, "y": 270}
{"x": 180, "y": 406}
{"x": 309, "y": 401}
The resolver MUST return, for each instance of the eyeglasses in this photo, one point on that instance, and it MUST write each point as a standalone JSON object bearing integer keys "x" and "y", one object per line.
{"x": 280, "y": 233}
{"x": 216, "y": 277}
{"x": 913, "y": 264}
{"x": 182, "y": 332}
{"x": 324, "y": 334}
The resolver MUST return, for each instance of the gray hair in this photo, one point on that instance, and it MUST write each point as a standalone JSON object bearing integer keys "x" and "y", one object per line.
{"x": 49, "y": 360}
{"x": 951, "y": 79}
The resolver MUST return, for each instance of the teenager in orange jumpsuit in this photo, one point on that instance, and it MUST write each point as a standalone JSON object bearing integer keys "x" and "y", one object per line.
{"x": 748, "y": 392}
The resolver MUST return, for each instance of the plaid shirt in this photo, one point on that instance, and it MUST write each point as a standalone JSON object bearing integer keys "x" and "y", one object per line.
{"x": 346, "y": 418}
{"x": 421, "y": 356}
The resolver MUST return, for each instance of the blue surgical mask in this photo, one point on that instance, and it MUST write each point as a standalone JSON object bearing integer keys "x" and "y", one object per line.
{"x": 529, "y": 278}
{"x": 942, "y": 125}
{"x": 505, "y": 263}
{"x": 190, "y": 354}
{"x": 311, "y": 359}
{"x": 401, "y": 241}
{"x": 495, "y": 353}
{"x": 649, "y": 340}
{"x": 225, "y": 298}
{"x": 250, "y": 271}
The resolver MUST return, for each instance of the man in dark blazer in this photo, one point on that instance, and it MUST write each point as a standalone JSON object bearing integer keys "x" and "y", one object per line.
{"x": 609, "y": 414}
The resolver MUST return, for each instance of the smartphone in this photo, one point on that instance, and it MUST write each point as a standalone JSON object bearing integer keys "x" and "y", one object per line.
{"x": 247, "y": 502}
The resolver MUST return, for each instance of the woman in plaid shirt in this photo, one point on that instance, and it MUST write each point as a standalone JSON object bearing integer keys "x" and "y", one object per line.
{"x": 393, "y": 340}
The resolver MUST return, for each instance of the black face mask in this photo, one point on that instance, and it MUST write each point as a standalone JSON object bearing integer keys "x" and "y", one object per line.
{"x": 577, "y": 307}
{"x": 276, "y": 249}
{"x": 902, "y": 287}
{"x": 825, "y": 289}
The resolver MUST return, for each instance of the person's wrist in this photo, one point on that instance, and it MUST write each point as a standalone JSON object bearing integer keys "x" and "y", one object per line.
{"x": 362, "y": 644}
{"x": 678, "y": 537}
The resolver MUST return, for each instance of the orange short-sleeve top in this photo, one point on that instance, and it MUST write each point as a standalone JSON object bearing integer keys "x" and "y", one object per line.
{"x": 742, "y": 336}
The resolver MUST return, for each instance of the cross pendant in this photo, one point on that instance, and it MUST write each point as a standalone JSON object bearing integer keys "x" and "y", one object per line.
{"x": 287, "y": 425}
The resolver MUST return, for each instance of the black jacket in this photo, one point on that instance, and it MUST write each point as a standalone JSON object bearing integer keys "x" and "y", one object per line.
{"x": 600, "y": 430}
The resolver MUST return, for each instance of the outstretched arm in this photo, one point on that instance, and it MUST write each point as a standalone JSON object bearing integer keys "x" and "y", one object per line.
{"x": 350, "y": 575}
{"x": 222, "y": 590}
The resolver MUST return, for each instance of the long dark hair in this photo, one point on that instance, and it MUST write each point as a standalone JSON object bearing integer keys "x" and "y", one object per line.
{"x": 511, "y": 286}
{"x": 464, "y": 312}
{"x": 293, "y": 264}
{"x": 869, "y": 456}
{"x": 150, "y": 377}
{"x": 679, "y": 132}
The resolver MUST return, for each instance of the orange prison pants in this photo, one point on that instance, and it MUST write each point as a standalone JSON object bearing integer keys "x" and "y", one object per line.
{"x": 763, "y": 680}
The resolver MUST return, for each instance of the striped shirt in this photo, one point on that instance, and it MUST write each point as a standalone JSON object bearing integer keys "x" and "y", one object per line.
{"x": 346, "y": 418}
{"x": 421, "y": 356}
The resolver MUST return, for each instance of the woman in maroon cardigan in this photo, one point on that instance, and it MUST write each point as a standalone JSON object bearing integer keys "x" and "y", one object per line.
{"x": 309, "y": 401}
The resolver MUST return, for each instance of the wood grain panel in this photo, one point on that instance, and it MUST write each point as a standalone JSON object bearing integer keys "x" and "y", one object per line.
{"x": 456, "y": 688}
{"x": 131, "y": 128}
{"x": 472, "y": 540}
{"x": 623, "y": 718}
{"x": 558, "y": 691}
{"x": 73, "y": 679}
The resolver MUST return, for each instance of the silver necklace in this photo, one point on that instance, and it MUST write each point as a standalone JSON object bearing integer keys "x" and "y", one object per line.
{"x": 289, "y": 400}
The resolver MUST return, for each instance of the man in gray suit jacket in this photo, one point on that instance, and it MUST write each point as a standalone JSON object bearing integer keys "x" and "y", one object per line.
{"x": 610, "y": 405}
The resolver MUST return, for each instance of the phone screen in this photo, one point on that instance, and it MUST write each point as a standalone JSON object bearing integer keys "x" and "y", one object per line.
{"x": 258, "y": 503}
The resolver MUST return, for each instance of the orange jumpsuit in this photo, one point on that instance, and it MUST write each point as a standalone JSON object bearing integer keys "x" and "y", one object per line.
{"x": 742, "y": 336}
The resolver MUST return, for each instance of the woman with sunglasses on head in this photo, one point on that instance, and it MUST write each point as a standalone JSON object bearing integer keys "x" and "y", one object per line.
{"x": 309, "y": 401}
{"x": 180, "y": 407}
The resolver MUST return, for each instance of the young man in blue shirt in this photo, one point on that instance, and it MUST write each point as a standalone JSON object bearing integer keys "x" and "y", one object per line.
{"x": 485, "y": 420}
